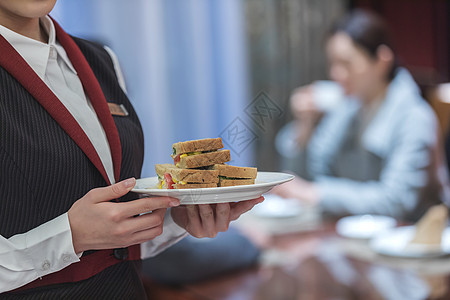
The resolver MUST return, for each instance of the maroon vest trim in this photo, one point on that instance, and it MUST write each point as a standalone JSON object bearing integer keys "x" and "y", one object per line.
{"x": 87, "y": 267}
{"x": 95, "y": 94}
{"x": 14, "y": 64}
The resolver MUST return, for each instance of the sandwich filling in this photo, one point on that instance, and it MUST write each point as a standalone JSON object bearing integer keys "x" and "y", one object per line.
{"x": 230, "y": 178}
{"x": 168, "y": 181}
{"x": 171, "y": 177}
{"x": 178, "y": 157}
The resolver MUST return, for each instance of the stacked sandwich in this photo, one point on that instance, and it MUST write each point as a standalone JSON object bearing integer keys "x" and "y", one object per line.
{"x": 232, "y": 175}
{"x": 201, "y": 164}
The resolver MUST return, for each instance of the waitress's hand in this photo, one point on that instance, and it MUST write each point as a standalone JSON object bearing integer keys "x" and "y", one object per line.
{"x": 206, "y": 220}
{"x": 98, "y": 223}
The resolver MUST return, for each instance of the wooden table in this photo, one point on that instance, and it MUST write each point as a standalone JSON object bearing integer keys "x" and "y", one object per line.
{"x": 318, "y": 264}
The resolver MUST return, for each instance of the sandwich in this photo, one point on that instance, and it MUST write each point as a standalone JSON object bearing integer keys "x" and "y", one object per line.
{"x": 200, "y": 164}
{"x": 232, "y": 175}
{"x": 171, "y": 177}
{"x": 199, "y": 153}
{"x": 430, "y": 227}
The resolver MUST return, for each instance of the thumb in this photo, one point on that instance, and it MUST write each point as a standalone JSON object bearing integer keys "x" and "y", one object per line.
{"x": 113, "y": 191}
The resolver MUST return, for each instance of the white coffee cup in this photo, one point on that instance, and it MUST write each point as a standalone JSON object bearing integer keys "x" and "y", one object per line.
{"x": 327, "y": 94}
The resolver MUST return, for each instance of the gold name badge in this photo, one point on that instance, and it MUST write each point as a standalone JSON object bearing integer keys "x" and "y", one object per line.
{"x": 117, "y": 109}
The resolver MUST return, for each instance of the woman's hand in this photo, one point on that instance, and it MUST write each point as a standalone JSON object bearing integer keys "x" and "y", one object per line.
{"x": 206, "y": 220}
{"x": 300, "y": 189}
{"x": 302, "y": 102}
{"x": 98, "y": 223}
{"x": 306, "y": 113}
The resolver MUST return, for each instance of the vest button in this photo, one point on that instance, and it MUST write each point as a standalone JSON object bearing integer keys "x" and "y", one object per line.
{"x": 121, "y": 253}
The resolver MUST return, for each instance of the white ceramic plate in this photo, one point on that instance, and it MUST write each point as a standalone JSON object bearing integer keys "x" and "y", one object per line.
{"x": 364, "y": 226}
{"x": 395, "y": 242}
{"x": 264, "y": 182}
{"x": 277, "y": 207}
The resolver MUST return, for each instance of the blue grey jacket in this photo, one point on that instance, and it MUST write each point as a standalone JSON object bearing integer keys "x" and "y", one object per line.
{"x": 394, "y": 167}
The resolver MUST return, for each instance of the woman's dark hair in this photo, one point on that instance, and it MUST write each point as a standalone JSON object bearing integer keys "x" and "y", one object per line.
{"x": 367, "y": 31}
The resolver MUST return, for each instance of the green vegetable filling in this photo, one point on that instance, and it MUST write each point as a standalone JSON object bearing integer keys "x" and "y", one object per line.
{"x": 233, "y": 178}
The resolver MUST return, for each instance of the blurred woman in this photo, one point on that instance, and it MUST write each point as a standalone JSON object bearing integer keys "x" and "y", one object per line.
{"x": 377, "y": 150}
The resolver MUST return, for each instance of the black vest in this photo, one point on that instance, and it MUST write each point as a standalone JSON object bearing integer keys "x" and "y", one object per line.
{"x": 43, "y": 172}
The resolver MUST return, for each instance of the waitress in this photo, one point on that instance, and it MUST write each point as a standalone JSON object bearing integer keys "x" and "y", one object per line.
{"x": 67, "y": 149}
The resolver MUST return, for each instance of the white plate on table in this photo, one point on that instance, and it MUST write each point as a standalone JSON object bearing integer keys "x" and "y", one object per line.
{"x": 277, "y": 207}
{"x": 364, "y": 226}
{"x": 395, "y": 242}
{"x": 264, "y": 182}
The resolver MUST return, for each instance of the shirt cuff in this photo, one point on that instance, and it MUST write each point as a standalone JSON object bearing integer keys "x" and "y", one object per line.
{"x": 336, "y": 197}
{"x": 170, "y": 225}
{"x": 172, "y": 233}
{"x": 38, "y": 252}
{"x": 50, "y": 246}
{"x": 324, "y": 193}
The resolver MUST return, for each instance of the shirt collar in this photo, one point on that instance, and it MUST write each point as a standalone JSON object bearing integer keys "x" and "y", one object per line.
{"x": 36, "y": 53}
{"x": 49, "y": 27}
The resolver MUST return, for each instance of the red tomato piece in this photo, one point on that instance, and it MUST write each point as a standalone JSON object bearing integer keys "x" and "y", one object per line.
{"x": 176, "y": 159}
{"x": 169, "y": 181}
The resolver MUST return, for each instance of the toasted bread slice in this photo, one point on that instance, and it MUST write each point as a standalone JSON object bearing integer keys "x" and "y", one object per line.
{"x": 204, "y": 159}
{"x": 197, "y": 146}
{"x": 235, "y": 172}
{"x": 188, "y": 175}
{"x": 194, "y": 185}
{"x": 234, "y": 182}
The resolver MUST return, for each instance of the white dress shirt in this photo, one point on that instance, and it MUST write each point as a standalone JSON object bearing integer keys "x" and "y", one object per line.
{"x": 49, "y": 248}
